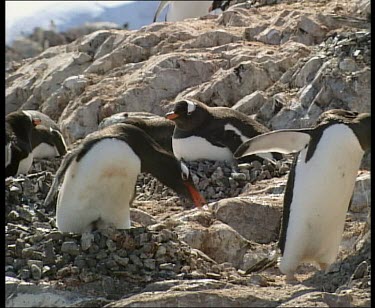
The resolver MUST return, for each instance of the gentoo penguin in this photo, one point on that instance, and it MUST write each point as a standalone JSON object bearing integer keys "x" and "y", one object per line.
{"x": 101, "y": 173}
{"x": 18, "y": 148}
{"x": 212, "y": 133}
{"x": 159, "y": 128}
{"x": 180, "y": 10}
{"x": 320, "y": 184}
{"x": 46, "y": 138}
{"x": 220, "y": 4}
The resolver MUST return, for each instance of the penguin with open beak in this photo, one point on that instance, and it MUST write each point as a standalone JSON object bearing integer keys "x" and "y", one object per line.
{"x": 99, "y": 177}
{"x": 319, "y": 186}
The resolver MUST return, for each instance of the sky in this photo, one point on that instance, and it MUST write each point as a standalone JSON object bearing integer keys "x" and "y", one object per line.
{"x": 24, "y": 16}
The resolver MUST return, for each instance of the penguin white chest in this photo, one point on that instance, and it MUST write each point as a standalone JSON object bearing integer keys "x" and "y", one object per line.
{"x": 180, "y": 10}
{"x": 99, "y": 188}
{"x": 322, "y": 190}
{"x": 25, "y": 164}
{"x": 8, "y": 154}
{"x": 45, "y": 150}
{"x": 195, "y": 148}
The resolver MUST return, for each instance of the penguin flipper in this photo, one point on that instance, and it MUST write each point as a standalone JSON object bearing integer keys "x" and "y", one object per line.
{"x": 160, "y": 8}
{"x": 58, "y": 177}
{"x": 283, "y": 141}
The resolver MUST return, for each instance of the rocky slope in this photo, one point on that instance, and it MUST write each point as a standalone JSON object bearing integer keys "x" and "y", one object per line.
{"x": 283, "y": 64}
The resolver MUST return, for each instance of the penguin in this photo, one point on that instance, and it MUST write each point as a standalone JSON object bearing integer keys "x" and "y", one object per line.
{"x": 157, "y": 127}
{"x": 18, "y": 147}
{"x": 99, "y": 178}
{"x": 319, "y": 186}
{"x": 180, "y": 10}
{"x": 223, "y": 5}
{"x": 46, "y": 138}
{"x": 212, "y": 133}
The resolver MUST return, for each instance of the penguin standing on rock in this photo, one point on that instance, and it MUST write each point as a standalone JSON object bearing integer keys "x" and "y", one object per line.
{"x": 212, "y": 133}
{"x": 100, "y": 175}
{"x": 18, "y": 147}
{"x": 319, "y": 186}
{"x": 180, "y": 10}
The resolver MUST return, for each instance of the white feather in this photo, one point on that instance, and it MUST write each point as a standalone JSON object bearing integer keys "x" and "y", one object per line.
{"x": 45, "y": 150}
{"x": 195, "y": 148}
{"x": 8, "y": 154}
{"x": 25, "y": 164}
{"x": 180, "y": 10}
{"x": 282, "y": 141}
{"x": 99, "y": 186}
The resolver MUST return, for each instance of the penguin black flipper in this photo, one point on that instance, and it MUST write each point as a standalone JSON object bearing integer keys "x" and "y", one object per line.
{"x": 283, "y": 141}
{"x": 59, "y": 176}
{"x": 160, "y": 8}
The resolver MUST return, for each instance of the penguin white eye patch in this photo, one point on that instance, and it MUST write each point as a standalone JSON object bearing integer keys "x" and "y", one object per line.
{"x": 190, "y": 107}
{"x": 184, "y": 171}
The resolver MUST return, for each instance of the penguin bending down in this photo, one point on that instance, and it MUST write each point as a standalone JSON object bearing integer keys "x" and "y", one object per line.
{"x": 18, "y": 148}
{"x": 180, "y": 10}
{"x": 212, "y": 133}
{"x": 100, "y": 177}
{"x": 46, "y": 138}
{"x": 320, "y": 184}
{"x": 157, "y": 127}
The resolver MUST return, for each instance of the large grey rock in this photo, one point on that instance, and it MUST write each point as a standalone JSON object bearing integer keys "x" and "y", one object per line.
{"x": 256, "y": 220}
{"x": 251, "y": 103}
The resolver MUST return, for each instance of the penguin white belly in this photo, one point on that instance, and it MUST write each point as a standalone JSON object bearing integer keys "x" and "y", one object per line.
{"x": 98, "y": 188}
{"x": 187, "y": 9}
{"x": 195, "y": 148}
{"x": 322, "y": 190}
{"x": 25, "y": 164}
{"x": 45, "y": 150}
{"x": 8, "y": 154}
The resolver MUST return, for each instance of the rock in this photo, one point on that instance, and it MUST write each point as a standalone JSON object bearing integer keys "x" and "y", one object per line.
{"x": 71, "y": 248}
{"x": 141, "y": 217}
{"x": 253, "y": 220}
{"x": 348, "y": 65}
{"x": 361, "y": 199}
{"x": 250, "y": 104}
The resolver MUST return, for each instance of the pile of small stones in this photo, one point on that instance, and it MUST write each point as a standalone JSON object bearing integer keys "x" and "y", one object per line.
{"x": 214, "y": 179}
{"x": 356, "y": 45}
{"x": 37, "y": 251}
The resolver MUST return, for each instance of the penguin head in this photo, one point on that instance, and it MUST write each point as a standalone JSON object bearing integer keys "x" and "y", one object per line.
{"x": 362, "y": 128}
{"x": 187, "y": 114}
{"x": 360, "y": 123}
{"x": 190, "y": 190}
{"x": 58, "y": 141}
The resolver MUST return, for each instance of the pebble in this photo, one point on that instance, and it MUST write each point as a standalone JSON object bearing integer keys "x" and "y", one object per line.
{"x": 36, "y": 271}
{"x": 71, "y": 248}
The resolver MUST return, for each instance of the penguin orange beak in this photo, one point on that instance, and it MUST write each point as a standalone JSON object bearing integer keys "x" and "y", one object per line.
{"x": 171, "y": 115}
{"x": 198, "y": 199}
{"x": 37, "y": 121}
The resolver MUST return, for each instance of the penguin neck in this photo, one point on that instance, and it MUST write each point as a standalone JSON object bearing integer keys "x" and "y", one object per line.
{"x": 165, "y": 167}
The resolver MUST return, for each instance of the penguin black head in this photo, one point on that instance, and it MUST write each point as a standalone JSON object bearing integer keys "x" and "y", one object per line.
{"x": 59, "y": 142}
{"x": 219, "y": 4}
{"x": 188, "y": 114}
{"x": 360, "y": 123}
{"x": 187, "y": 189}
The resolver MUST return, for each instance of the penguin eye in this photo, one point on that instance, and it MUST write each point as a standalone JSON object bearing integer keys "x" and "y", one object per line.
{"x": 184, "y": 172}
